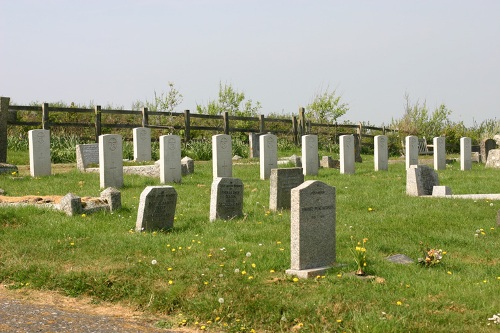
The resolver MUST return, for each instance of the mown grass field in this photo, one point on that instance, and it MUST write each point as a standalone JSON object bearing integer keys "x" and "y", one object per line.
{"x": 228, "y": 276}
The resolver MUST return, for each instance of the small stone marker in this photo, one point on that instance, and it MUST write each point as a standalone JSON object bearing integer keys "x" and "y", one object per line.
{"x": 441, "y": 191}
{"x": 268, "y": 154}
{"x": 381, "y": 153}
{"x": 312, "y": 229}
{"x": 222, "y": 156}
{"x": 87, "y": 154}
{"x": 465, "y": 153}
{"x": 281, "y": 183}
{"x": 328, "y": 162}
{"x": 113, "y": 198}
{"x": 485, "y": 146}
{"x": 493, "y": 159}
{"x": 156, "y": 208}
{"x": 170, "y": 159}
{"x": 142, "y": 144}
{"x": 110, "y": 161}
{"x": 71, "y": 204}
{"x": 310, "y": 154}
{"x": 187, "y": 165}
{"x": 400, "y": 259}
{"x": 253, "y": 141}
{"x": 420, "y": 180}
{"x": 296, "y": 160}
{"x": 439, "y": 153}
{"x": 226, "y": 200}
{"x": 39, "y": 148}
{"x": 346, "y": 154}
{"x": 411, "y": 151}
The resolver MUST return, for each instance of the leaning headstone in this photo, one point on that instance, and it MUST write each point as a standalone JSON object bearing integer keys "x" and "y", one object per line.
{"x": 226, "y": 200}
{"x": 485, "y": 146}
{"x": 187, "y": 165}
{"x": 493, "y": 159}
{"x": 268, "y": 154}
{"x": 142, "y": 144}
{"x": 87, "y": 154}
{"x": 465, "y": 153}
{"x": 310, "y": 154}
{"x": 313, "y": 220}
{"x": 110, "y": 161}
{"x": 381, "y": 153}
{"x": 71, "y": 204}
{"x": 441, "y": 191}
{"x": 411, "y": 151}
{"x": 113, "y": 198}
{"x": 156, "y": 208}
{"x": 170, "y": 159}
{"x": 346, "y": 154}
{"x": 439, "y": 153}
{"x": 39, "y": 148}
{"x": 357, "y": 149}
{"x": 222, "y": 156}
{"x": 281, "y": 183}
{"x": 253, "y": 140}
{"x": 420, "y": 180}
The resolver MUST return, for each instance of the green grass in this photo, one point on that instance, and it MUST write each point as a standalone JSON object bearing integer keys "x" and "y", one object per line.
{"x": 99, "y": 255}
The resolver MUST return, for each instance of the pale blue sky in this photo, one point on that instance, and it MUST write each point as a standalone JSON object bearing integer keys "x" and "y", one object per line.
{"x": 277, "y": 52}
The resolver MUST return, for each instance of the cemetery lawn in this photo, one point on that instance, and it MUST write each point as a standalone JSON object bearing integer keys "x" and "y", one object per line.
{"x": 228, "y": 276}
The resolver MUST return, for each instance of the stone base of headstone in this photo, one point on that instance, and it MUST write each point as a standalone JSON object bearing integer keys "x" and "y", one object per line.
{"x": 308, "y": 273}
{"x": 441, "y": 191}
{"x": 7, "y": 168}
{"x": 420, "y": 180}
{"x": 493, "y": 159}
{"x": 113, "y": 198}
{"x": 71, "y": 204}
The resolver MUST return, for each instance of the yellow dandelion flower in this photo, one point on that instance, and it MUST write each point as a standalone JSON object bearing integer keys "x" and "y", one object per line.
{"x": 173, "y": 250}
{"x": 170, "y": 282}
{"x": 250, "y": 277}
{"x": 339, "y": 275}
{"x": 169, "y": 269}
{"x": 449, "y": 272}
{"x": 295, "y": 279}
{"x": 243, "y": 272}
{"x": 399, "y": 303}
{"x": 254, "y": 265}
{"x": 84, "y": 215}
{"x": 339, "y": 320}
{"x": 272, "y": 271}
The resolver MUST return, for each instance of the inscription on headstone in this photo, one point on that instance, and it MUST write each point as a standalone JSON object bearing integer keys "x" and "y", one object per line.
{"x": 281, "y": 183}
{"x": 156, "y": 208}
{"x": 226, "y": 200}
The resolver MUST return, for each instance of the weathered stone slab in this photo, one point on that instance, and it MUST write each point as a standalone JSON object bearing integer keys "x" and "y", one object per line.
{"x": 310, "y": 163}
{"x": 400, "y": 259}
{"x": 142, "y": 144}
{"x": 268, "y": 154}
{"x": 493, "y": 159}
{"x": 439, "y": 144}
{"x": 420, "y": 180}
{"x": 347, "y": 147}
{"x": 441, "y": 191}
{"x": 222, "y": 156}
{"x": 87, "y": 154}
{"x": 71, "y": 204}
{"x": 226, "y": 200}
{"x": 281, "y": 183}
{"x": 156, "y": 208}
{"x": 381, "y": 153}
{"x": 110, "y": 161}
{"x": 465, "y": 153}
{"x": 39, "y": 149}
{"x": 113, "y": 198}
{"x": 411, "y": 151}
{"x": 7, "y": 168}
{"x": 170, "y": 159}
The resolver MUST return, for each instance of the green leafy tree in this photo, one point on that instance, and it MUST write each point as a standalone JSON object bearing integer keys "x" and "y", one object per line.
{"x": 163, "y": 102}
{"x": 232, "y": 101}
{"x": 326, "y": 106}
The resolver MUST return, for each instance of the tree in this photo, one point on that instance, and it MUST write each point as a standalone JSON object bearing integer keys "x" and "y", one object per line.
{"x": 164, "y": 102}
{"x": 232, "y": 101}
{"x": 326, "y": 106}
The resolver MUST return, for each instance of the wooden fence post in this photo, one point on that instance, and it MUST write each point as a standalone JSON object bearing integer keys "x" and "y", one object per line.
{"x": 187, "y": 126}
{"x": 145, "y": 120}
{"x": 295, "y": 131}
{"x": 4, "y": 112}
{"x": 97, "y": 122}
{"x": 302, "y": 121}
{"x": 360, "y": 135}
{"x": 226, "y": 122}
{"x": 262, "y": 125}
{"x": 45, "y": 116}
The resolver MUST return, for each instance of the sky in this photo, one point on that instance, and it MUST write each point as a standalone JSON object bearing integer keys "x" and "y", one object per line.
{"x": 280, "y": 53}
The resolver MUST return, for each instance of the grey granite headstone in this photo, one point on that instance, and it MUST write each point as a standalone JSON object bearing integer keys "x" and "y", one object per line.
{"x": 113, "y": 198}
{"x": 313, "y": 219}
{"x": 400, "y": 259}
{"x": 156, "y": 208}
{"x": 485, "y": 146}
{"x": 281, "y": 183}
{"x": 226, "y": 200}
{"x": 39, "y": 150}
{"x": 187, "y": 165}
{"x": 71, "y": 204}
{"x": 493, "y": 159}
{"x": 87, "y": 154}
{"x": 420, "y": 180}
{"x": 170, "y": 159}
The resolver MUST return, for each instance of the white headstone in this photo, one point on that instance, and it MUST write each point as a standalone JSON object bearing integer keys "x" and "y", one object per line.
{"x": 310, "y": 160}
{"x": 465, "y": 153}
{"x": 142, "y": 144}
{"x": 226, "y": 200}
{"x": 411, "y": 150}
{"x": 439, "y": 153}
{"x": 170, "y": 159}
{"x": 156, "y": 208}
{"x": 346, "y": 154}
{"x": 268, "y": 154}
{"x": 313, "y": 219}
{"x": 110, "y": 161}
{"x": 381, "y": 153}
{"x": 39, "y": 147}
{"x": 222, "y": 156}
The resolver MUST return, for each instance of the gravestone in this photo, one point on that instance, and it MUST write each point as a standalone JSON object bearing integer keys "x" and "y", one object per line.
{"x": 439, "y": 153}
{"x": 71, "y": 204}
{"x": 222, "y": 156}
{"x": 87, "y": 154}
{"x": 296, "y": 160}
{"x": 113, "y": 198}
{"x": 156, "y": 208}
{"x": 8, "y": 168}
{"x": 346, "y": 154}
{"x": 441, "y": 191}
{"x": 493, "y": 159}
{"x": 357, "y": 149}
{"x": 465, "y": 153}
{"x": 187, "y": 165}
{"x": 39, "y": 148}
{"x": 254, "y": 143}
{"x": 485, "y": 146}
{"x": 400, "y": 259}
{"x": 226, "y": 199}
{"x": 281, "y": 183}
{"x": 310, "y": 155}
{"x": 313, "y": 222}
{"x": 268, "y": 154}
{"x": 411, "y": 151}
{"x": 4, "y": 118}
{"x": 328, "y": 162}
{"x": 420, "y": 180}
{"x": 381, "y": 153}
{"x": 142, "y": 144}
{"x": 170, "y": 159}
{"x": 110, "y": 161}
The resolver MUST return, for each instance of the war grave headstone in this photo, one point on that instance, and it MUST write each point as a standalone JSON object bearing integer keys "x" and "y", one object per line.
{"x": 268, "y": 154}
{"x": 420, "y": 180}
{"x": 254, "y": 143}
{"x": 222, "y": 156}
{"x": 110, "y": 161}
{"x": 142, "y": 144}
{"x": 411, "y": 151}
{"x": 310, "y": 154}
{"x": 39, "y": 149}
{"x": 226, "y": 199}
{"x": 170, "y": 159}
{"x": 485, "y": 146}
{"x": 87, "y": 154}
{"x": 346, "y": 154}
{"x": 465, "y": 153}
{"x": 381, "y": 153}
{"x": 187, "y": 165}
{"x": 439, "y": 153}
{"x": 281, "y": 183}
{"x": 156, "y": 208}
{"x": 313, "y": 221}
